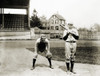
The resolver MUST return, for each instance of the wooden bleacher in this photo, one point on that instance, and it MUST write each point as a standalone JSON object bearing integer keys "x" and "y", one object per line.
{"x": 15, "y": 22}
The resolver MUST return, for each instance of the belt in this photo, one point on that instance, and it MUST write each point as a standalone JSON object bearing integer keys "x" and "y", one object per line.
{"x": 71, "y": 41}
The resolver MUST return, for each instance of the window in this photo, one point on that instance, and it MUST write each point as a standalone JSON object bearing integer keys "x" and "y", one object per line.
{"x": 52, "y": 27}
{"x": 57, "y": 28}
{"x": 52, "y": 21}
{"x": 62, "y": 22}
{"x": 56, "y": 21}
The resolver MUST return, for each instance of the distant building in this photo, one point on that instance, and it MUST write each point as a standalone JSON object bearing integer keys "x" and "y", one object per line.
{"x": 52, "y": 26}
{"x": 56, "y": 31}
{"x": 55, "y": 21}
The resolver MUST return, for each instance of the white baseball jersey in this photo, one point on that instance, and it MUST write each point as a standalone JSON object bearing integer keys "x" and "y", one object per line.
{"x": 70, "y": 36}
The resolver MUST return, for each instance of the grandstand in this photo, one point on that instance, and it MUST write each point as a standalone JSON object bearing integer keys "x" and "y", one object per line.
{"x": 14, "y": 22}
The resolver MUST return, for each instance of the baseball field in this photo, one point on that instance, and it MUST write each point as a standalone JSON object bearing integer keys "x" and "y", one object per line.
{"x": 88, "y": 51}
{"x": 16, "y": 58}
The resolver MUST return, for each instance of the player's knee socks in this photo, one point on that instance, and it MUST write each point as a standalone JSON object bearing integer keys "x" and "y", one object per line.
{"x": 72, "y": 66}
{"x": 67, "y": 65}
{"x": 34, "y": 60}
{"x": 49, "y": 59}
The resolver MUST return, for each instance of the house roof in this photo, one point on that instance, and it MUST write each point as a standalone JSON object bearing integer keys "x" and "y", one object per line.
{"x": 59, "y": 16}
{"x": 14, "y": 3}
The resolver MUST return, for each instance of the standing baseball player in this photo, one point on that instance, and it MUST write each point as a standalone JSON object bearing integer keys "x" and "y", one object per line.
{"x": 70, "y": 36}
{"x": 42, "y": 45}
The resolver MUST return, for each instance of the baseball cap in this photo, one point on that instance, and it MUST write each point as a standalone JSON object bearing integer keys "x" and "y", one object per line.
{"x": 43, "y": 36}
{"x": 70, "y": 24}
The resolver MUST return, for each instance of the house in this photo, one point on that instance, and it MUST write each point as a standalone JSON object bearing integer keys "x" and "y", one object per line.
{"x": 54, "y": 25}
{"x": 55, "y": 21}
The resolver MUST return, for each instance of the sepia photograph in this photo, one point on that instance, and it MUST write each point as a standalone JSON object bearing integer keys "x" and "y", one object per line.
{"x": 49, "y": 38}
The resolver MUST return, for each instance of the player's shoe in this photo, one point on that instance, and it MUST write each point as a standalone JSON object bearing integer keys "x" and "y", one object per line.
{"x": 68, "y": 72}
{"x": 51, "y": 67}
{"x": 32, "y": 68}
{"x": 73, "y": 72}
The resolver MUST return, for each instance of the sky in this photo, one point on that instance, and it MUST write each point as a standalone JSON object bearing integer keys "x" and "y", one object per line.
{"x": 82, "y": 13}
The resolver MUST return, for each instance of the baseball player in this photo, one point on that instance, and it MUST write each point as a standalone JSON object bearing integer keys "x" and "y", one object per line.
{"x": 42, "y": 45}
{"x": 70, "y": 36}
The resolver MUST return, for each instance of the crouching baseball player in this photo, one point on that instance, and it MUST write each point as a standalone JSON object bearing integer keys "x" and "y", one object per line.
{"x": 42, "y": 45}
{"x": 70, "y": 36}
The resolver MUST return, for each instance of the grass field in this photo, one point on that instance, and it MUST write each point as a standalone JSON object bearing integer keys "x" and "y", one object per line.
{"x": 87, "y": 52}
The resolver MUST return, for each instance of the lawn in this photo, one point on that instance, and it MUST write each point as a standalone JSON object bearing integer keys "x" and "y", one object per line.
{"x": 87, "y": 51}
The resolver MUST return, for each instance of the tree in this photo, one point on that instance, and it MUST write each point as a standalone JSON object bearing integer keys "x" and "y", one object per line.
{"x": 44, "y": 22}
{"x": 35, "y": 21}
{"x": 96, "y": 27}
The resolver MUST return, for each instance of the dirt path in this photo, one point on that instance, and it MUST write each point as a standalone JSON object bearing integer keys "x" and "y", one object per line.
{"x": 18, "y": 61}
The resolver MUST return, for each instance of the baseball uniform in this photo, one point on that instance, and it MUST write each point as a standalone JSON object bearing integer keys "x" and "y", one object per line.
{"x": 70, "y": 36}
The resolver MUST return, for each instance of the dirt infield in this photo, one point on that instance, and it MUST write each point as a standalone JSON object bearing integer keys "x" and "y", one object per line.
{"x": 18, "y": 61}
